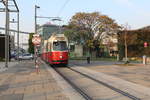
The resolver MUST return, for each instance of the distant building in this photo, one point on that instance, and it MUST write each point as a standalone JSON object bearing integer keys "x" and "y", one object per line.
{"x": 47, "y": 29}
{"x": 111, "y": 45}
{"x": 23, "y": 41}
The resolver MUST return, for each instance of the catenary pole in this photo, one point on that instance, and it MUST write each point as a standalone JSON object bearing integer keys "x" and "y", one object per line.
{"x": 35, "y": 33}
{"x": 35, "y": 30}
{"x": 18, "y": 36}
{"x": 6, "y": 33}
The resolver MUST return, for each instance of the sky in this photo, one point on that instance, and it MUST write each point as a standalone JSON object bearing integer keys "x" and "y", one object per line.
{"x": 134, "y": 12}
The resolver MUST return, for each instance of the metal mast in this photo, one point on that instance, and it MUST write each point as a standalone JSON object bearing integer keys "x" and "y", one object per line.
{"x": 10, "y": 7}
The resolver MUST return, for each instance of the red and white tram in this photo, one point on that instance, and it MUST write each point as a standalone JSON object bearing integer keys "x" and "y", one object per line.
{"x": 55, "y": 49}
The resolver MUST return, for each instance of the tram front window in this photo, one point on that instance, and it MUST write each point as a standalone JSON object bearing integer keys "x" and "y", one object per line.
{"x": 60, "y": 46}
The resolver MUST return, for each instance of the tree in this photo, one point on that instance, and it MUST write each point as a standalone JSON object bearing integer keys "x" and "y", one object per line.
{"x": 135, "y": 41}
{"x": 31, "y": 46}
{"x": 93, "y": 26}
{"x": 90, "y": 29}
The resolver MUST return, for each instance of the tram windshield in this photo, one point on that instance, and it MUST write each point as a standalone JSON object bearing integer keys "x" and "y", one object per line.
{"x": 60, "y": 46}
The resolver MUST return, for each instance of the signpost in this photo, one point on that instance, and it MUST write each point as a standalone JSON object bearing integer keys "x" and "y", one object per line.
{"x": 145, "y": 44}
{"x": 144, "y": 56}
{"x": 36, "y": 40}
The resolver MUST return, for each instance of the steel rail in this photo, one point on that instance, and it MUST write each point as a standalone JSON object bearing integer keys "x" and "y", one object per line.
{"x": 107, "y": 85}
{"x": 85, "y": 96}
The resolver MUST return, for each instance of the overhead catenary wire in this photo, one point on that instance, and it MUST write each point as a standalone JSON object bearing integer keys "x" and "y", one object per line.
{"x": 62, "y": 8}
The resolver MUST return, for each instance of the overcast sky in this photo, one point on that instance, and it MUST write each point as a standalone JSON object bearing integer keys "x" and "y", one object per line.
{"x": 134, "y": 12}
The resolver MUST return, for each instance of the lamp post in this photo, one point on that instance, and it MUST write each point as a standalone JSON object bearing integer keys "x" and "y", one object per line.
{"x": 126, "y": 46}
{"x": 127, "y": 27}
{"x": 42, "y": 17}
{"x": 36, "y": 7}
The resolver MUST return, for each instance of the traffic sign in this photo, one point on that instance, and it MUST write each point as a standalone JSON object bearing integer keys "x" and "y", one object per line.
{"x": 36, "y": 35}
{"x": 145, "y": 44}
{"x": 36, "y": 40}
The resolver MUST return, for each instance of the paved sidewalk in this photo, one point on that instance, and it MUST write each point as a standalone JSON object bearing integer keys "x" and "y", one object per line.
{"x": 23, "y": 83}
{"x": 10, "y": 64}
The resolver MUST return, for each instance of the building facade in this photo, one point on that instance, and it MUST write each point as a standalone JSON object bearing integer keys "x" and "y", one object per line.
{"x": 111, "y": 45}
{"x": 46, "y": 30}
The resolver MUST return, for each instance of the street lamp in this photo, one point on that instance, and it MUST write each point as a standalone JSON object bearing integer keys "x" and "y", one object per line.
{"x": 36, "y": 7}
{"x": 52, "y": 18}
{"x": 126, "y": 28}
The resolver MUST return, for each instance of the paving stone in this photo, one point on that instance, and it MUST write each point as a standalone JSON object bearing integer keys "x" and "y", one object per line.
{"x": 34, "y": 96}
{"x": 12, "y": 97}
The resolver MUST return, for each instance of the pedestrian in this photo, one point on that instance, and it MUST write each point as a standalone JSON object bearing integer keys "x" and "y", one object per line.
{"x": 88, "y": 58}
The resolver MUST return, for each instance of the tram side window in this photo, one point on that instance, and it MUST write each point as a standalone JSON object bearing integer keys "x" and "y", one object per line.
{"x": 60, "y": 46}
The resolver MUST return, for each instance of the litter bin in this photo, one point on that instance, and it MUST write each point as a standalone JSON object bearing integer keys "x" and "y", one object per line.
{"x": 88, "y": 60}
{"x": 144, "y": 59}
{"x": 88, "y": 57}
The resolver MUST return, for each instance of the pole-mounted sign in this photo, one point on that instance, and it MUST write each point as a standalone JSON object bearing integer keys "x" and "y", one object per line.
{"x": 36, "y": 40}
{"x": 145, "y": 44}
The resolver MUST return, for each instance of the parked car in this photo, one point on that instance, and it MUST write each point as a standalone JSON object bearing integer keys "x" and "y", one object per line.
{"x": 26, "y": 56}
{"x": 13, "y": 55}
{"x": 20, "y": 56}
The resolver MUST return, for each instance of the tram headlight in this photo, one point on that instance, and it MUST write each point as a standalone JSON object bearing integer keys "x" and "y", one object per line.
{"x": 60, "y": 56}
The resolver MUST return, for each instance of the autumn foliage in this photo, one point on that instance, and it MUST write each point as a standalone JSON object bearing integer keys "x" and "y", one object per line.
{"x": 135, "y": 42}
{"x": 89, "y": 29}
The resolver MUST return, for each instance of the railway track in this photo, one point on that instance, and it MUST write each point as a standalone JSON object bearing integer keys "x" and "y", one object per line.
{"x": 80, "y": 91}
{"x": 83, "y": 92}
